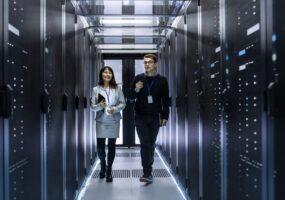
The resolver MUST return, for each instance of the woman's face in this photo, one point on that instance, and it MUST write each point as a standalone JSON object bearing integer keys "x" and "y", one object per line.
{"x": 107, "y": 75}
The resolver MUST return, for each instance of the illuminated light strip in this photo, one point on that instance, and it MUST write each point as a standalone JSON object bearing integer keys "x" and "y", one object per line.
{"x": 13, "y": 29}
{"x": 174, "y": 180}
{"x": 253, "y": 29}
{"x": 274, "y": 57}
{"x": 242, "y": 67}
{"x": 218, "y": 49}
{"x": 86, "y": 183}
{"x": 128, "y": 51}
{"x": 125, "y": 21}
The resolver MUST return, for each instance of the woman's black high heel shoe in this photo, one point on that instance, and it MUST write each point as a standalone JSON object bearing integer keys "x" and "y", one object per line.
{"x": 109, "y": 177}
{"x": 102, "y": 172}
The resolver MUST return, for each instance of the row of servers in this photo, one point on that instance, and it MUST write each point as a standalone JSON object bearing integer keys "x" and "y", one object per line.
{"x": 225, "y": 66}
{"x": 226, "y": 73}
{"x": 48, "y": 68}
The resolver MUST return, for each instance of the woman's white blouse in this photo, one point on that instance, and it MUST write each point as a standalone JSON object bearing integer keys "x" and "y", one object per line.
{"x": 114, "y": 99}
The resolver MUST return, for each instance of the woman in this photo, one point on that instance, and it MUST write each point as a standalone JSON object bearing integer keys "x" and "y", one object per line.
{"x": 107, "y": 101}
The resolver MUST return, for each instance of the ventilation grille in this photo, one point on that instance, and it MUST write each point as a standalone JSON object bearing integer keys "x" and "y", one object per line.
{"x": 134, "y": 154}
{"x": 135, "y": 173}
{"x": 158, "y": 173}
{"x": 117, "y": 173}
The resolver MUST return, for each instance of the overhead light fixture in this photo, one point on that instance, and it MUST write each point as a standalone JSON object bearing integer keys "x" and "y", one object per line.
{"x": 125, "y": 21}
{"x": 126, "y": 46}
{"x": 126, "y": 2}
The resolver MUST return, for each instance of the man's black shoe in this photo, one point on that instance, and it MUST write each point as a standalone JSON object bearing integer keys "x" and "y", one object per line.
{"x": 146, "y": 178}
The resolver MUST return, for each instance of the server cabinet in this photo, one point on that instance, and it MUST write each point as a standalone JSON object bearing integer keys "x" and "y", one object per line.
{"x": 53, "y": 83}
{"x": 193, "y": 82}
{"x": 92, "y": 114}
{"x": 180, "y": 101}
{"x": 128, "y": 74}
{"x": 23, "y": 73}
{"x": 167, "y": 128}
{"x": 79, "y": 91}
{"x": 161, "y": 70}
{"x": 211, "y": 102}
{"x": 167, "y": 74}
{"x": 2, "y": 155}
{"x": 86, "y": 105}
{"x": 68, "y": 97}
{"x": 244, "y": 112}
{"x": 172, "y": 91}
{"x": 276, "y": 99}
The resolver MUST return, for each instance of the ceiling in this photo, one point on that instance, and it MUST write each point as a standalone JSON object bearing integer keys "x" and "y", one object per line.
{"x": 130, "y": 25}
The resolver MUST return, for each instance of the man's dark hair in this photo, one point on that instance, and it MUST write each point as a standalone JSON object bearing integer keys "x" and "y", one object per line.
{"x": 152, "y": 56}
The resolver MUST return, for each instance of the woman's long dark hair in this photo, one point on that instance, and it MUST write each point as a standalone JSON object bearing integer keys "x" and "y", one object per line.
{"x": 112, "y": 82}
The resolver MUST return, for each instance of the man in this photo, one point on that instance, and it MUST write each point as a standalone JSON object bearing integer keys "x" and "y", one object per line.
{"x": 150, "y": 90}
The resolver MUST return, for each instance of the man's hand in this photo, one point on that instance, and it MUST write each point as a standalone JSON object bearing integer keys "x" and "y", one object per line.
{"x": 163, "y": 122}
{"x": 139, "y": 86}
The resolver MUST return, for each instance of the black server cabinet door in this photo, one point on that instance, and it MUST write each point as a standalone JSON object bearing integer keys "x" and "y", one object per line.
{"x": 128, "y": 73}
{"x": 1, "y": 96}
{"x": 23, "y": 73}
{"x": 193, "y": 82}
{"x": 211, "y": 102}
{"x": 87, "y": 91}
{"x": 276, "y": 97}
{"x": 180, "y": 101}
{"x": 79, "y": 89}
{"x": 166, "y": 70}
{"x": 53, "y": 78}
{"x": 245, "y": 74}
{"x": 172, "y": 92}
{"x": 69, "y": 90}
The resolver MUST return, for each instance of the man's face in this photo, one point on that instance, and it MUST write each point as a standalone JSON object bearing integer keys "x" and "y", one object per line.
{"x": 149, "y": 65}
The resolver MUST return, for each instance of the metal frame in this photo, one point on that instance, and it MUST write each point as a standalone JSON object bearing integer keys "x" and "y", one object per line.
{"x": 130, "y": 27}
{"x": 1, "y": 121}
{"x": 122, "y": 15}
{"x": 129, "y": 36}
{"x": 4, "y": 123}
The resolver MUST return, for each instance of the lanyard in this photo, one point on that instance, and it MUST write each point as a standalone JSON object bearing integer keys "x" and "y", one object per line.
{"x": 149, "y": 86}
{"x": 107, "y": 94}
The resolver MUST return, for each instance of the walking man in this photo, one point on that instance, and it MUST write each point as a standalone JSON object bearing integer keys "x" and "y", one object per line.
{"x": 151, "y": 95}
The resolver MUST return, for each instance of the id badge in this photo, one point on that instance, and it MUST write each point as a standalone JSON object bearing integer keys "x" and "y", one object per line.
{"x": 149, "y": 99}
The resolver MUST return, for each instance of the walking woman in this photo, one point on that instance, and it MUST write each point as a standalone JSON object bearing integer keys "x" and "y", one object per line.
{"x": 107, "y": 101}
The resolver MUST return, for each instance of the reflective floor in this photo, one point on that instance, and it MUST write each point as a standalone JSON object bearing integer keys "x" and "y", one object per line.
{"x": 126, "y": 185}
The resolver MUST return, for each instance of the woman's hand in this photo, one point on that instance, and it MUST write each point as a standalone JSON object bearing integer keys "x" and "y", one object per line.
{"x": 103, "y": 104}
{"x": 111, "y": 110}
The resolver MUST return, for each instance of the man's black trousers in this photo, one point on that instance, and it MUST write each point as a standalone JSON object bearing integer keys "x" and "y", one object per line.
{"x": 147, "y": 129}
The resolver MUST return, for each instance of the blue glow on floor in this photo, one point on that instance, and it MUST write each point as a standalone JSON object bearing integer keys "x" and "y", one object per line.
{"x": 174, "y": 180}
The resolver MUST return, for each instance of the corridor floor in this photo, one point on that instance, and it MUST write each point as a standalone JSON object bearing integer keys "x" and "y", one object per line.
{"x": 126, "y": 185}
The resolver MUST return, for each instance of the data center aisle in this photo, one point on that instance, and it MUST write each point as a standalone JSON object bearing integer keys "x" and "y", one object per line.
{"x": 126, "y": 185}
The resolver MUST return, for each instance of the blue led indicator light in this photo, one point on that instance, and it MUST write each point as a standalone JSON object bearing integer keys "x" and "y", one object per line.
{"x": 274, "y": 38}
{"x": 242, "y": 52}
